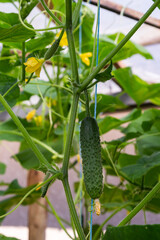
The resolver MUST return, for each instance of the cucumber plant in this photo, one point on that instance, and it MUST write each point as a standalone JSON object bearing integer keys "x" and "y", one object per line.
{"x": 61, "y": 96}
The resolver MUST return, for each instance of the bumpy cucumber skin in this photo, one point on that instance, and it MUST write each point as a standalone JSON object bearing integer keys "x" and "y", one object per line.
{"x": 52, "y": 50}
{"x": 91, "y": 157}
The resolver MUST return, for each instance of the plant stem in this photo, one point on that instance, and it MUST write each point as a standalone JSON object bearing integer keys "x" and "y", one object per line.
{"x": 23, "y": 61}
{"x": 74, "y": 67}
{"x": 27, "y": 137}
{"x": 57, "y": 217}
{"x": 15, "y": 84}
{"x": 50, "y": 13}
{"x": 118, "y": 47}
{"x": 28, "y": 193}
{"x": 72, "y": 209}
{"x": 57, "y": 89}
{"x": 70, "y": 135}
{"x": 147, "y": 198}
{"x": 87, "y": 103}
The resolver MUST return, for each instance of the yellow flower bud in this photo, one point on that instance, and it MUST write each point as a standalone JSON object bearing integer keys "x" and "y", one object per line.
{"x": 85, "y": 57}
{"x": 38, "y": 186}
{"x": 30, "y": 115}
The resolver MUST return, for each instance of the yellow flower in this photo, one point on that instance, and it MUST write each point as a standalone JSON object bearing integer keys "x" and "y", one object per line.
{"x": 85, "y": 57}
{"x": 64, "y": 41}
{"x": 97, "y": 207}
{"x": 38, "y": 121}
{"x": 30, "y": 115}
{"x": 34, "y": 65}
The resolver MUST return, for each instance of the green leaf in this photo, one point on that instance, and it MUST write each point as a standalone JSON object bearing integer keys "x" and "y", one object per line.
{"x": 40, "y": 42}
{"x": 148, "y": 144}
{"x": 142, "y": 167}
{"x": 35, "y": 86}
{"x": 117, "y": 199}
{"x": 105, "y": 103}
{"x": 16, "y": 33}
{"x": 8, "y": 19}
{"x": 105, "y": 75}
{"x": 17, "y": 194}
{"x": 2, "y": 237}
{"x": 133, "y": 232}
{"x": 129, "y": 49}
{"x": 5, "y": 83}
{"x": 108, "y": 123}
{"x": 27, "y": 7}
{"x": 2, "y": 168}
{"x": 136, "y": 88}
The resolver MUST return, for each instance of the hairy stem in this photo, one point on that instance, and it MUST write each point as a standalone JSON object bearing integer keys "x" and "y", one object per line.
{"x": 23, "y": 61}
{"x": 73, "y": 210}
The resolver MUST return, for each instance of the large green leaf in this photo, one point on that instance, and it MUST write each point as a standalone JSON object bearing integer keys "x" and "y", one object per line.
{"x": 17, "y": 193}
{"x": 133, "y": 232}
{"x": 108, "y": 123}
{"x": 26, "y": 7}
{"x": 107, "y": 44}
{"x": 8, "y": 19}
{"x": 136, "y": 88}
{"x": 40, "y": 42}
{"x": 16, "y": 33}
{"x": 129, "y": 49}
{"x": 5, "y": 83}
{"x": 142, "y": 167}
{"x": 105, "y": 103}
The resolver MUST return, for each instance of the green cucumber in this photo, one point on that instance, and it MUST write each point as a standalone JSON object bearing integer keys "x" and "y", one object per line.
{"x": 91, "y": 157}
{"x": 52, "y": 50}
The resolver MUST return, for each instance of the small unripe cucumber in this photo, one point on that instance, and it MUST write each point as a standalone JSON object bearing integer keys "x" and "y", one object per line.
{"x": 91, "y": 157}
{"x": 52, "y": 50}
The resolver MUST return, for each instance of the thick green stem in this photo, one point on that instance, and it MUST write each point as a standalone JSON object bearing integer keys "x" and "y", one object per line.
{"x": 23, "y": 61}
{"x": 147, "y": 198}
{"x": 74, "y": 66}
{"x": 57, "y": 89}
{"x": 27, "y": 137}
{"x": 118, "y": 47}
{"x": 70, "y": 135}
{"x": 73, "y": 210}
{"x": 87, "y": 103}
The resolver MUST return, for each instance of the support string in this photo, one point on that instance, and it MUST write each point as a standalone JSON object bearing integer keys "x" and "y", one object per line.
{"x": 80, "y": 70}
{"x": 95, "y": 105}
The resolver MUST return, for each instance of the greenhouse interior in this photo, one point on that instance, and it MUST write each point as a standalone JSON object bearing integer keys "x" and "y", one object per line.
{"x": 79, "y": 119}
